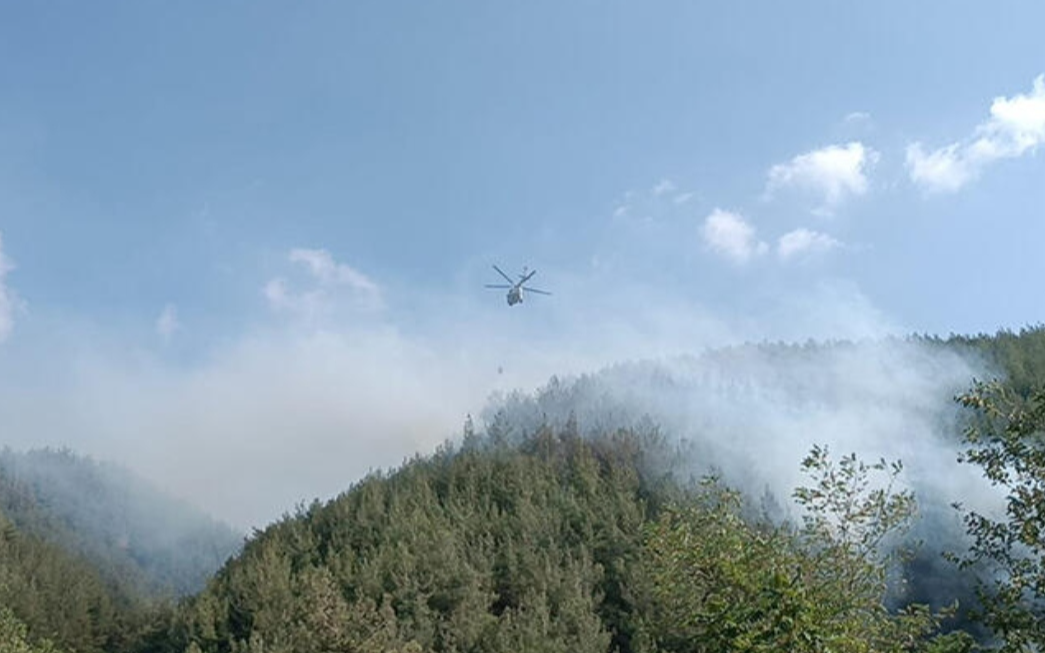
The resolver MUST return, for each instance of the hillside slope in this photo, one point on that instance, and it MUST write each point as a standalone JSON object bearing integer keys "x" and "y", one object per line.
{"x": 572, "y": 523}
{"x": 140, "y": 540}
{"x": 489, "y": 548}
{"x": 550, "y": 542}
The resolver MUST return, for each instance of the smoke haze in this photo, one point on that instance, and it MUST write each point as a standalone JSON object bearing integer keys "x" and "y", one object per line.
{"x": 292, "y": 411}
{"x": 753, "y": 412}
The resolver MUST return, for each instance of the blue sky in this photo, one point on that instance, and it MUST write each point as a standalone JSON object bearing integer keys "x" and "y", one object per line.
{"x": 220, "y": 199}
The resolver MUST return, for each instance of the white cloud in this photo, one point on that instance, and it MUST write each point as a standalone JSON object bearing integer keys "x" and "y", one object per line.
{"x": 10, "y": 303}
{"x": 333, "y": 284}
{"x": 834, "y": 172}
{"x": 322, "y": 266}
{"x": 653, "y": 204}
{"x": 167, "y": 323}
{"x": 943, "y": 170}
{"x": 282, "y": 299}
{"x": 1016, "y": 127}
{"x": 859, "y": 117}
{"x": 663, "y": 187}
{"x": 730, "y": 235}
{"x": 801, "y": 242}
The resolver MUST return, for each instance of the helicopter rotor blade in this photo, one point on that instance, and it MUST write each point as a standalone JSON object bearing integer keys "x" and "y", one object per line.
{"x": 539, "y": 292}
{"x": 526, "y": 277}
{"x": 502, "y": 286}
{"x": 506, "y": 277}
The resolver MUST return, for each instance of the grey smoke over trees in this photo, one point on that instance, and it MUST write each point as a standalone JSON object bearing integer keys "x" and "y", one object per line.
{"x": 751, "y": 414}
{"x": 753, "y": 411}
{"x": 143, "y": 542}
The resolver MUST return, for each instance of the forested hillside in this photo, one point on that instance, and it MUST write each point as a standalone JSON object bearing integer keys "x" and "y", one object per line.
{"x": 141, "y": 541}
{"x": 563, "y": 543}
{"x": 573, "y": 523}
{"x": 582, "y": 517}
{"x": 487, "y": 548}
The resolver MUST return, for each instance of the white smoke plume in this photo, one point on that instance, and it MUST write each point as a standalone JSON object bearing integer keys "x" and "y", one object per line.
{"x": 284, "y": 413}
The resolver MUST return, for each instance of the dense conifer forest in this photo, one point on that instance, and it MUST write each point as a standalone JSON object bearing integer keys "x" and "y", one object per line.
{"x": 558, "y": 525}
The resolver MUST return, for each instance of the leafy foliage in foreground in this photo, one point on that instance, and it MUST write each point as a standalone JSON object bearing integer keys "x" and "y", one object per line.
{"x": 723, "y": 583}
{"x": 1006, "y": 438}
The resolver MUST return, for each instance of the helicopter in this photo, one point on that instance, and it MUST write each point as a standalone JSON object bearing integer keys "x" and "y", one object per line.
{"x": 516, "y": 288}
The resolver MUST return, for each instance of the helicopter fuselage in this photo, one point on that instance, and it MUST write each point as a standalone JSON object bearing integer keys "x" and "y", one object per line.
{"x": 516, "y": 288}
